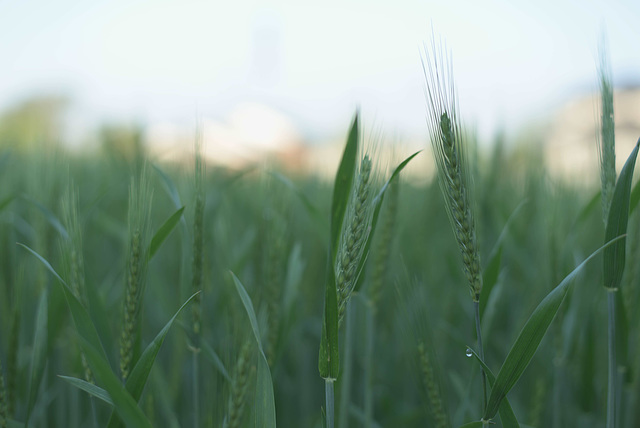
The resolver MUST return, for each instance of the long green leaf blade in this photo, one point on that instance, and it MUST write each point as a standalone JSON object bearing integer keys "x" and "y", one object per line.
{"x": 85, "y": 327}
{"x": 328, "y": 355}
{"x": 164, "y": 231}
{"x": 123, "y": 402}
{"x": 507, "y": 416}
{"x": 38, "y": 354}
{"x": 530, "y": 337}
{"x": 140, "y": 373}
{"x": 89, "y": 388}
{"x": 265, "y": 402}
{"x": 617, "y": 224}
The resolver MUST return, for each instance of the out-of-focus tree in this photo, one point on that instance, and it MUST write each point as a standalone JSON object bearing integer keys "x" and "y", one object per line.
{"x": 33, "y": 123}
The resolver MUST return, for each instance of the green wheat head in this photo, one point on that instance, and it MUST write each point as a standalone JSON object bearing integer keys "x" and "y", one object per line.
{"x": 606, "y": 137}
{"x": 449, "y": 148}
{"x": 138, "y": 238}
{"x": 354, "y": 235}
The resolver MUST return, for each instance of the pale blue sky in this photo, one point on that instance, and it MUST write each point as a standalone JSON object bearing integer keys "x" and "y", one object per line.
{"x": 175, "y": 60}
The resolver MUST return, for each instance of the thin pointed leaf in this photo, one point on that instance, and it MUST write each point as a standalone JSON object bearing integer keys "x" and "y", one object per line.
{"x": 38, "y": 355}
{"x": 376, "y": 213}
{"x": 140, "y": 373}
{"x": 311, "y": 209}
{"x": 530, "y": 337}
{"x": 51, "y": 217}
{"x": 265, "y": 408}
{"x": 124, "y": 404}
{"x": 328, "y": 354}
{"x": 215, "y": 360}
{"x": 164, "y": 231}
{"x": 84, "y": 326}
{"x": 617, "y": 223}
{"x": 507, "y": 416}
{"x": 589, "y": 207}
{"x": 89, "y": 388}
{"x": 342, "y": 186}
{"x": 169, "y": 186}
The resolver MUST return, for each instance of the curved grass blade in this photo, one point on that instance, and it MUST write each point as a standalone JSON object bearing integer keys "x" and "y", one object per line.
{"x": 377, "y": 201}
{"x": 507, "y": 416}
{"x": 140, "y": 373}
{"x": 531, "y": 335}
{"x": 124, "y": 404}
{"x": 265, "y": 410}
{"x": 215, "y": 360}
{"x": 39, "y": 353}
{"x": 89, "y": 388}
{"x": 51, "y": 217}
{"x": 84, "y": 326}
{"x": 634, "y": 198}
{"x": 169, "y": 186}
{"x": 164, "y": 231}
{"x": 617, "y": 224}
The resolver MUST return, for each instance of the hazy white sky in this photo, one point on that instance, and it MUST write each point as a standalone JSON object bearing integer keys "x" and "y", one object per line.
{"x": 173, "y": 61}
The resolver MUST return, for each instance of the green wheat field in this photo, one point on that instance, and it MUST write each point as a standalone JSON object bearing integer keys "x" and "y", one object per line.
{"x": 144, "y": 294}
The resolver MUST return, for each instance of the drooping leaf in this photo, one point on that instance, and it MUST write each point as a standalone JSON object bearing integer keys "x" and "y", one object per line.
{"x": 530, "y": 337}
{"x": 265, "y": 408}
{"x": 89, "y": 388}
{"x": 614, "y": 256}
{"x": 164, "y": 231}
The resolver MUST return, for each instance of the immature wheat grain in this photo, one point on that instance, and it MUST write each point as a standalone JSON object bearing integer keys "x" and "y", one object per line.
{"x": 353, "y": 236}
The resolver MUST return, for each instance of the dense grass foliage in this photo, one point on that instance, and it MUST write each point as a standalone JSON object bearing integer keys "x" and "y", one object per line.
{"x": 410, "y": 321}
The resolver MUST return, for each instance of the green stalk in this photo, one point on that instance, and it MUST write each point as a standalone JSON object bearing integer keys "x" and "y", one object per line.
{"x": 368, "y": 365}
{"x": 476, "y": 307}
{"x": 345, "y": 393}
{"x": 611, "y": 389}
{"x": 329, "y": 401}
{"x": 195, "y": 384}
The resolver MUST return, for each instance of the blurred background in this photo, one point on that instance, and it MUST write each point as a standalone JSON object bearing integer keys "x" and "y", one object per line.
{"x": 283, "y": 78}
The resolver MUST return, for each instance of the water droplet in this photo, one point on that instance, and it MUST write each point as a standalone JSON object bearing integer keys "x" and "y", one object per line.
{"x": 469, "y": 353}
